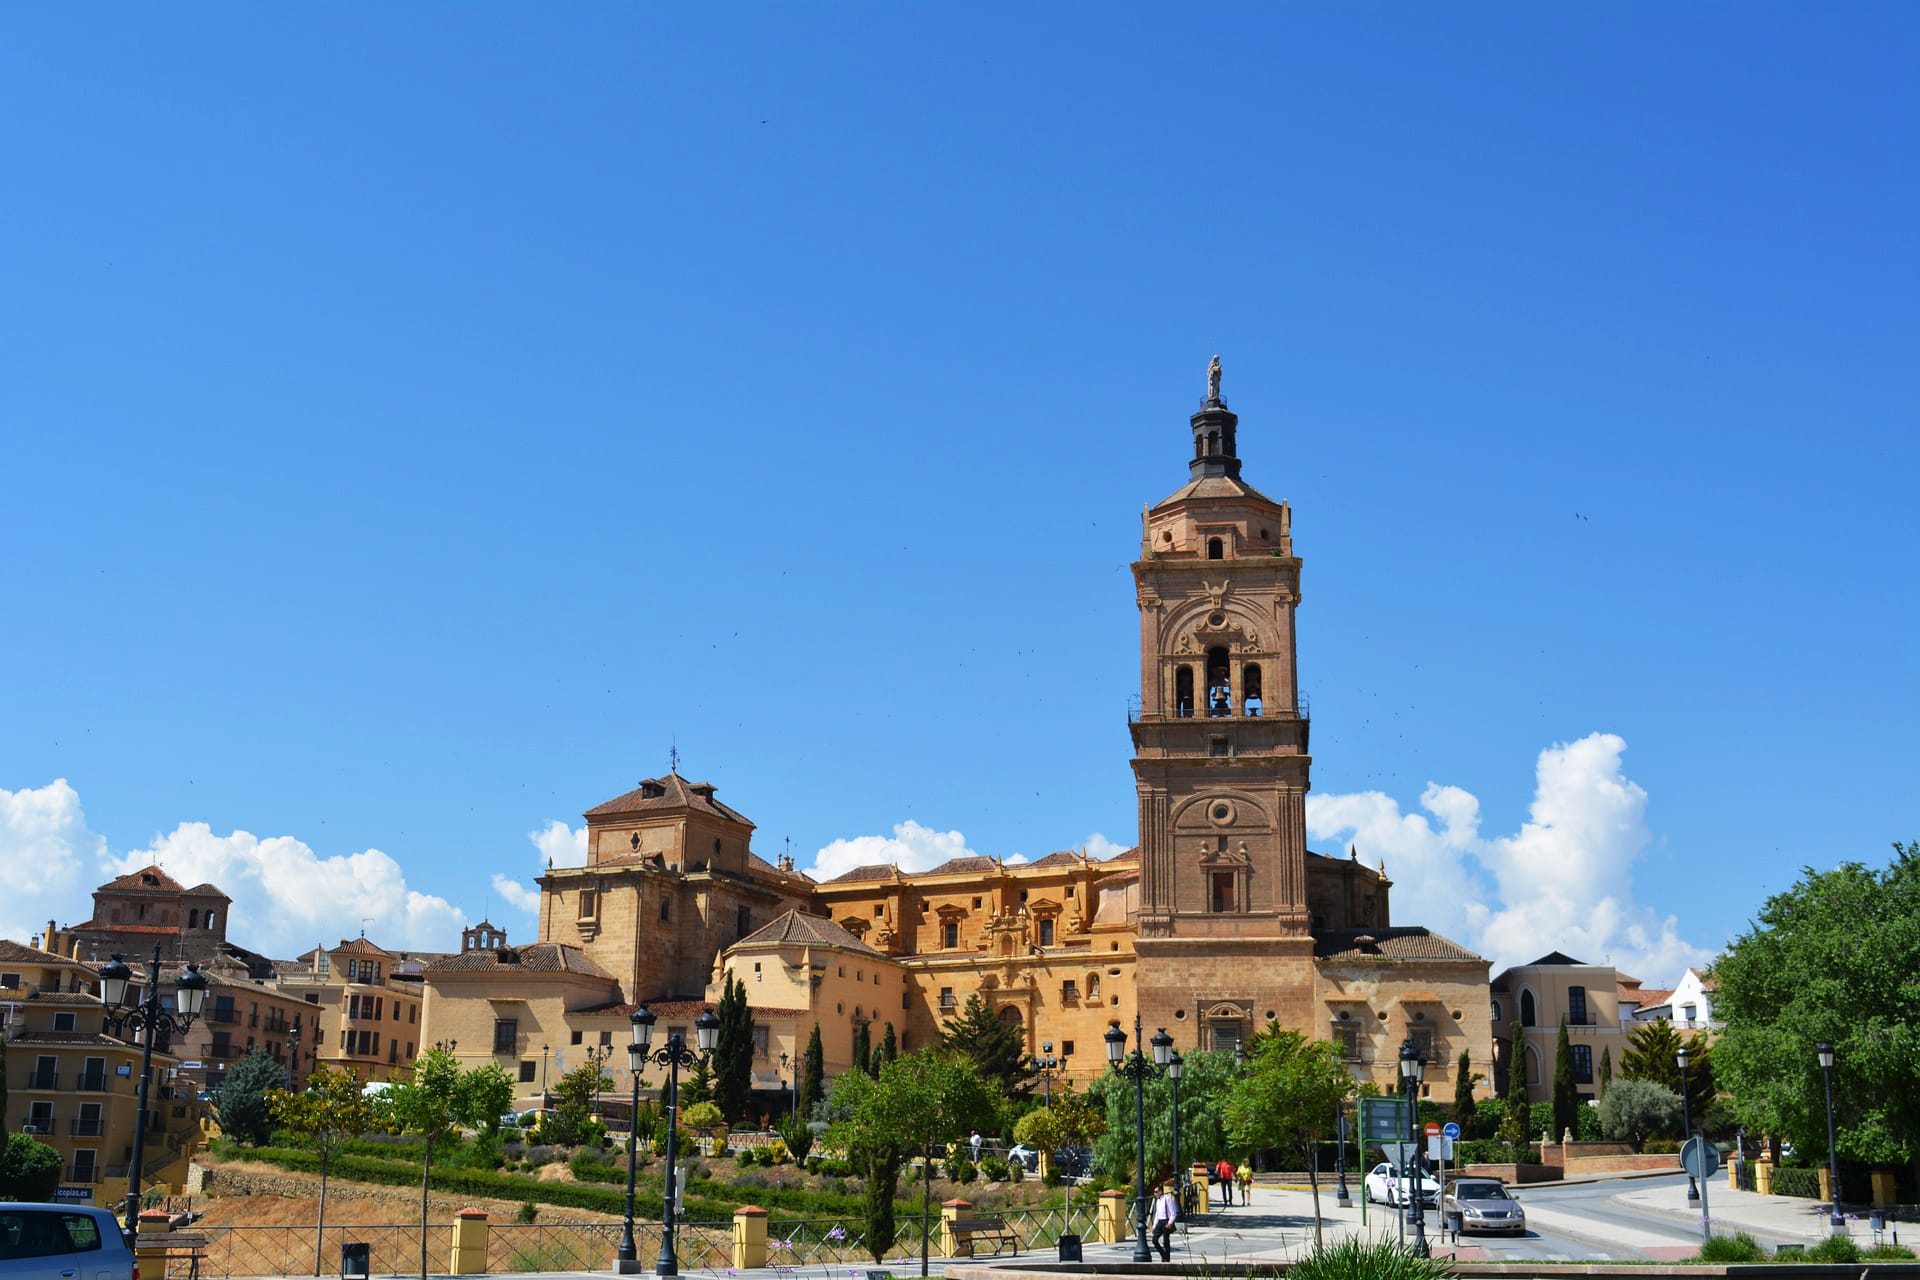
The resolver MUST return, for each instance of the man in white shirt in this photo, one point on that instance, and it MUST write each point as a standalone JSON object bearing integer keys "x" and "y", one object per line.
{"x": 1165, "y": 1214}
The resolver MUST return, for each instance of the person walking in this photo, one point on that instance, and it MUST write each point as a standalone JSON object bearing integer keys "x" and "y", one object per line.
{"x": 1244, "y": 1175}
{"x": 1223, "y": 1174}
{"x": 1165, "y": 1214}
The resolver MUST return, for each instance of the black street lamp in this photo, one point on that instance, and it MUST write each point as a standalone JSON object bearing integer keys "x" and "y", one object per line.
{"x": 627, "y": 1261}
{"x": 1686, "y": 1120}
{"x": 1046, "y": 1066}
{"x": 150, "y": 1021}
{"x": 1175, "y": 1064}
{"x": 1341, "y": 1196}
{"x": 543, "y": 1075}
{"x": 1411, "y": 1067}
{"x": 1835, "y": 1219}
{"x": 673, "y": 1056}
{"x": 793, "y": 1100}
{"x": 1136, "y": 1068}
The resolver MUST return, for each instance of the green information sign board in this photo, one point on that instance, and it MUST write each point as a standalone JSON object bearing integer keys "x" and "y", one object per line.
{"x": 1383, "y": 1119}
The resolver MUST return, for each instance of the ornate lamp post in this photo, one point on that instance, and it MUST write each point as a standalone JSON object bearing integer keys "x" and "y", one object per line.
{"x": 1175, "y": 1064}
{"x": 627, "y": 1261}
{"x": 1835, "y": 1219}
{"x": 1134, "y": 1068}
{"x": 673, "y": 1056}
{"x": 1686, "y": 1119}
{"x": 1411, "y": 1068}
{"x": 793, "y": 1099}
{"x": 150, "y": 1021}
{"x": 543, "y": 1075}
{"x": 293, "y": 1054}
{"x": 1341, "y": 1197}
{"x": 1046, "y": 1066}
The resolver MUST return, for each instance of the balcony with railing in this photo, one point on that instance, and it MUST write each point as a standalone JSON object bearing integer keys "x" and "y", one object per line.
{"x": 38, "y": 1079}
{"x": 224, "y": 1017}
{"x": 86, "y": 1127}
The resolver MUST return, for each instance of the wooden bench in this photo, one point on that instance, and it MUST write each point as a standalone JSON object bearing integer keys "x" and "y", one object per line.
{"x": 967, "y": 1230}
{"x": 172, "y": 1244}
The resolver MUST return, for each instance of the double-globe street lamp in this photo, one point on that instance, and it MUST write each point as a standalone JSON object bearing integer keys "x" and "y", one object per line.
{"x": 673, "y": 1056}
{"x": 1686, "y": 1121}
{"x": 150, "y": 1021}
{"x": 1412, "y": 1066}
{"x": 1136, "y": 1068}
{"x": 1047, "y": 1066}
{"x": 1835, "y": 1219}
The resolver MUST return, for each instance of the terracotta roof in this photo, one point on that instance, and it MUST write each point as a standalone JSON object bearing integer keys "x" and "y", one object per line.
{"x": 20, "y": 953}
{"x": 655, "y": 795}
{"x": 1064, "y": 858}
{"x": 204, "y": 888}
{"x": 757, "y": 863}
{"x": 138, "y": 881}
{"x": 1216, "y": 487}
{"x": 1409, "y": 943}
{"x": 361, "y": 947}
{"x": 83, "y": 1037}
{"x": 1130, "y": 855}
{"x": 872, "y": 871}
{"x": 539, "y": 957}
{"x": 65, "y": 997}
{"x": 793, "y": 927}
{"x": 96, "y": 927}
{"x": 963, "y": 866}
{"x": 1655, "y": 998}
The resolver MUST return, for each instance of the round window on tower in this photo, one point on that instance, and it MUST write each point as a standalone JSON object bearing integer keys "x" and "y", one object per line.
{"x": 1216, "y": 619}
{"x": 1221, "y": 813}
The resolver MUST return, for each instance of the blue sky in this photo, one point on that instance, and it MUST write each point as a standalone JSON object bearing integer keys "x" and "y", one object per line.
{"x": 418, "y": 419}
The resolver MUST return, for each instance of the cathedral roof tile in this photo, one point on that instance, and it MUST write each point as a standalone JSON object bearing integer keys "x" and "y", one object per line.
{"x": 963, "y": 866}
{"x": 794, "y": 927}
{"x": 538, "y": 957}
{"x": 147, "y": 879}
{"x": 660, "y": 795}
{"x": 1405, "y": 943}
{"x": 872, "y": 871}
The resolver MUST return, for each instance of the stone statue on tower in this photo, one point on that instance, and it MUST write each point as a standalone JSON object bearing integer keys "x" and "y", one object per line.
{"x": 1213, "y": 381}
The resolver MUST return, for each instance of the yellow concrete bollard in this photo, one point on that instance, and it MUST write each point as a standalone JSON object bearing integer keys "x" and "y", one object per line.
{"x": 1763, "y": 1177}
{"x": 152, "y": 1262}
{"x": 469, "y": 1256}
{"x": 1826, "y": 1184}
{"x": 1202, "y": 1189}
{"x": 949, "y": 1210}
{"x": 1882, "y": 1188}
{"x": 749, "y": 1236}
{"x": 1111, "y": 1226}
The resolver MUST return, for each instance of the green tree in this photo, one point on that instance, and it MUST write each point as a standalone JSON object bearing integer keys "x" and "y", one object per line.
{"x": 921, "y": 1102}
{"x": 1287, "y": 1096}
{"x": 1513, "y": 1129}
{"x": 1634, "y": 1110}
{"x": 29, "y": 1169}
{"x": 433, "y": 1100}
{"x": 1606, "y": 1069}
{"x": 1072, "y": 1121}
{"x": 1566, "y": 1097}
{"x": 1832, "y": 959}
{"x": 998, "y": 1049}
{"x": 240, "y": 1103}
{"x": 573, "y": 1099}
{"x": 698, "y": 1085}
{"x": 490, "y": 1093}
{"x": 707, "y": 1120}
{"x": 889, "y": 1046}
{"x": 813, "y": 1071}
{"x": 733, "y": 1050}
{"x": 1653, "y": 1053}
{"x": 1464, "y": 1079}
{"x": 333, "y": 1111}
{"x": 862, "y": 1047}
{"x": 1204, "y": 1084}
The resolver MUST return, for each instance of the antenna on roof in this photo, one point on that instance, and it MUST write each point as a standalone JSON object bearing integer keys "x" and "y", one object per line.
{"x": 364, "y": 922}
{"x": 673, "y": 756}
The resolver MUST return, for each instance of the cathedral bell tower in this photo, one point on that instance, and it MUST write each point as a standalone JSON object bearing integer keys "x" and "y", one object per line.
{"x": 1220, "y": 754}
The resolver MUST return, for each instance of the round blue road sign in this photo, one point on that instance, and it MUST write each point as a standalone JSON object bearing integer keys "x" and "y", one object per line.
{"x": 1451, "y": 1129}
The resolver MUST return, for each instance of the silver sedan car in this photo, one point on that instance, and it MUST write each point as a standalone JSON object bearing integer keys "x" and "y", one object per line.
{"x": 1484, "y": 1204}
{"x": 62, "y": 1242}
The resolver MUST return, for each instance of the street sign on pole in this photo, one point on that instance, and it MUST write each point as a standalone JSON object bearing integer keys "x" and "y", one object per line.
{"x": 1699, "y": 1158}
{"x": 1451, "y": 1129}
{"x": 1398, "y": 1153}
{"x": 1383, "y": 1119}
{"x": 1433, "y": 1128}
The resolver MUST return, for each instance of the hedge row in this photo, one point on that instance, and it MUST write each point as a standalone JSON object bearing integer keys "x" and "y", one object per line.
{"x": 705, "y": 1200}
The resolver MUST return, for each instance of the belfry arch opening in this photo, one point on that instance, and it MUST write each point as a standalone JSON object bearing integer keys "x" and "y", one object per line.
{"x": 1183, "y": 692}
{"x": 1219, "y": 682}
{"x": 1250, "y": 700}
{"x": 1216, "y": 549}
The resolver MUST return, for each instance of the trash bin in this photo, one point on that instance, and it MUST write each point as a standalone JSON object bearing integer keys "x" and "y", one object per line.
{"x": 1070, "y": 1248}
{"x": 356, "y": 1260}
{"x": 1455, "y": 1220}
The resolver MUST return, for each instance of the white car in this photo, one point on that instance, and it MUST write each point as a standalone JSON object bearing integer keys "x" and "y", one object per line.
{"x": 1382, "y": 1186}
{"x": 1026, "y": 1157}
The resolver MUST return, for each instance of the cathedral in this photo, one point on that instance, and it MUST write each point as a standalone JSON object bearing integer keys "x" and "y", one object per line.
{"x": 1220, "y": 920}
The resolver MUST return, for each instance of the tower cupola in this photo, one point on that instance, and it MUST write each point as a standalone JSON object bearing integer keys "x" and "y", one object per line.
{"x": 1213, "y": 428}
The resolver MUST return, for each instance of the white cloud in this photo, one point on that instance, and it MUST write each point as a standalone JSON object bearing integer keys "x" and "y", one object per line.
{"x": 516, "y": 894}
{"x": 911, "y": 847}
{"x": 50, "y": 858}
{"x": 561, "y": 845}
{"x": 287, "y": 898}
{"x": 1099, "y": 848}
{"x": 1561, "y": 882}
{"x": 555, "y": 845}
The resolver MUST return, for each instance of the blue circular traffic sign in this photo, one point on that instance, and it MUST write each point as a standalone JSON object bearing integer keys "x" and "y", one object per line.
{"x": 1451, "y": 1129}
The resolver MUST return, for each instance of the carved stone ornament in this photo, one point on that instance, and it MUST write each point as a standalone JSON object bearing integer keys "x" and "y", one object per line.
{"x": 1226, "y": 1009}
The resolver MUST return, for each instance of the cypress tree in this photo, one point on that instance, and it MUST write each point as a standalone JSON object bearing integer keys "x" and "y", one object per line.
{"x": 1606, "y": 1068}
{"x": 883, "y": 1180}
{"x": 862, "y": 1046}
{"x": 1463, "y": 1079}
{"x": 889, "y": 1046}
{"x": 733, "y": 1051}
{"x": 1566, "y": 1098}
{"x": 813, "y": 1074}
{"x": 1513, "y": 1129}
